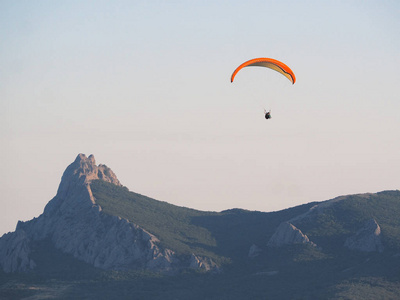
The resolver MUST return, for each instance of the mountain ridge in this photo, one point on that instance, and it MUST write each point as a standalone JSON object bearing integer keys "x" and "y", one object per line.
{"x": 102, "y": 229}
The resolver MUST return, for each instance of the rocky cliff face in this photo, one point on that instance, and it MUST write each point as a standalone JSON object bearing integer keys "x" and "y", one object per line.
{"x": 367, "y": 239}
{"x": 15, "y": 252}
{"x": 288, "y": 234}
{"x": 76, "y": 225}
{"x": 203, "y": 263}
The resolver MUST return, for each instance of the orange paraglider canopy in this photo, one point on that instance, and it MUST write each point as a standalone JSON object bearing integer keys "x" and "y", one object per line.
{"x": 268, "y": 63}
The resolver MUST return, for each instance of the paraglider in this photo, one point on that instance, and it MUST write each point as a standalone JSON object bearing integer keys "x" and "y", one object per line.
{"x": 267, "y": 63}
{"x": 267, "y": 114}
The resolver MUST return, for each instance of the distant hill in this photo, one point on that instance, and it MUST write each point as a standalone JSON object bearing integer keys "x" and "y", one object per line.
{"x": 98, "y": 240}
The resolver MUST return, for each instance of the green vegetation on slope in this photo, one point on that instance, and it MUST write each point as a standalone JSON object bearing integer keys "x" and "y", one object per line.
{"x": 343, "y": 218}
{"x": 171, "y": 224}
{"x": 226, "y": 234}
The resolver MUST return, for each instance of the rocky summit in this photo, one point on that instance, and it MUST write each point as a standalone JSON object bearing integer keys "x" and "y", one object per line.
{"x": 76, "y": 225}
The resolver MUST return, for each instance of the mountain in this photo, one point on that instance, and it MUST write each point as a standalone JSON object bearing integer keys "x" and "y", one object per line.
{"x": 98, "y": 240}
{"x": 75, "y": 223}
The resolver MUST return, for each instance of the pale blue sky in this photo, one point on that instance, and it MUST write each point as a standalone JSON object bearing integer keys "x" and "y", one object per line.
{"x": 145, "y": 87}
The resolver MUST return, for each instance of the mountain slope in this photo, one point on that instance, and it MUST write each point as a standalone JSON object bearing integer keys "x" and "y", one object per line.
{"x": 97, "y": 240}
{"x": 187, "y": 230}
{"x": 330, "y": 223}
{"x": 171, "y": 224}
{"x": 76, "y": 224}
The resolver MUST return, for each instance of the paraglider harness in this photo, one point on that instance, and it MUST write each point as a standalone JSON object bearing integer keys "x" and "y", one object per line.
{"x": 267, "y": 114}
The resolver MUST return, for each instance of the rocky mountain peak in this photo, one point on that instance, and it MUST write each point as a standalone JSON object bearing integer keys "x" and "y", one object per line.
{"x": 80, "y": 173}
{"x": 84, "y": 170}
{"x": 76, "y": 225}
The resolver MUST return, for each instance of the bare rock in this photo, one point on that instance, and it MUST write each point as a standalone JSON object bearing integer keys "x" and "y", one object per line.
{"x": 82, "y": 171}
{"x": 15, "y": 252}
{"x": 288, "y": 234}
{"x": 202, "y": 263}
{"x": 76, "y": 225}
{"x": 367, "y": 239}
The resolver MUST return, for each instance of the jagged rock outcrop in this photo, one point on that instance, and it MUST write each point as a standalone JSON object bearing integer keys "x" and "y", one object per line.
{"x": 76, "y": 225}
{"x": 367, "y": 239}
{"x": 288, "y": 234}
{"x": 202, "y": 263}
{"x": 15, "y": 252}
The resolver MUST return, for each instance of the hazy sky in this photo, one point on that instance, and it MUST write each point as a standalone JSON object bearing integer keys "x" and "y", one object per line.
{"x": 145, "y": 87}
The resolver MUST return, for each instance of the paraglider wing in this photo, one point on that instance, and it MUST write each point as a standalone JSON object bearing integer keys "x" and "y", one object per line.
{"x": 268, "y": 63}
